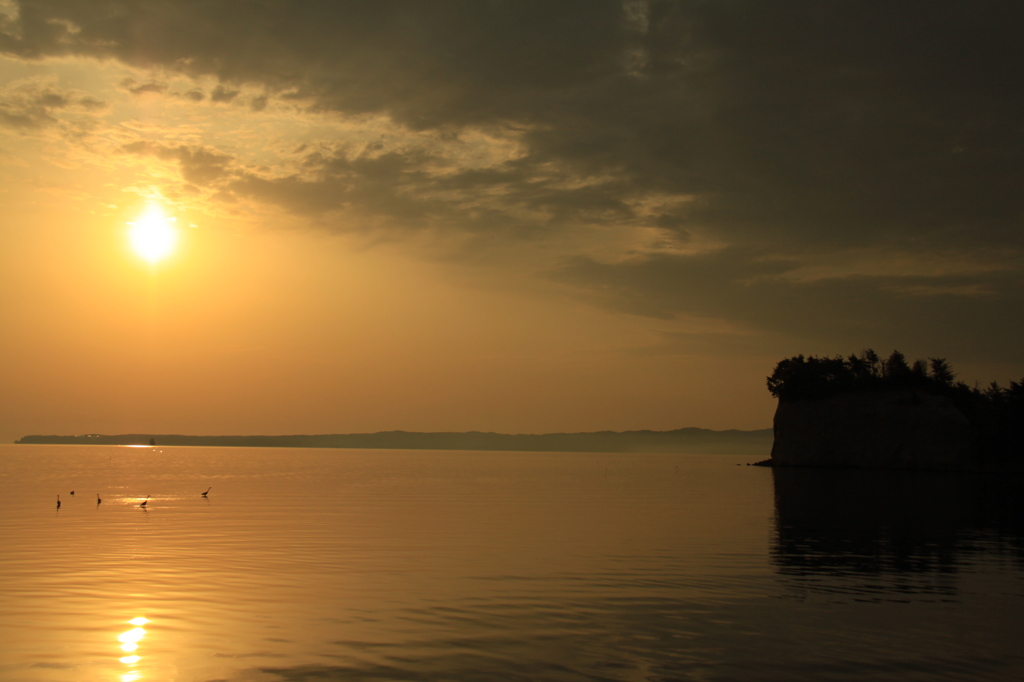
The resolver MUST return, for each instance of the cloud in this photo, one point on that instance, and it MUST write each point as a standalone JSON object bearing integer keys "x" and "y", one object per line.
{"x": 136, "y": 88}
{"x": 970, "y": 315}
{"x": 675, "y": 157}
{"x": 835, "y": 122}
{"x": 222, "y": 94}
{"x": 34, "y": 104}
{"x": 198, "y": 165}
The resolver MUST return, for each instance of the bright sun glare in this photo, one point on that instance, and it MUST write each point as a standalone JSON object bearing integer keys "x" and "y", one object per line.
{"x": 153, "y": 235}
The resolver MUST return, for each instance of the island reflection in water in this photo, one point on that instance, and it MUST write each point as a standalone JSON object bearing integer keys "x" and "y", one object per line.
{"x": 892, "y": 535}
{"x": 320, "y": 565}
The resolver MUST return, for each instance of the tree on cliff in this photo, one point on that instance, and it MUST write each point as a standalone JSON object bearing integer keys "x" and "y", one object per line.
{"x": 896, "y": 366}
{"x": 872, "y": 360}
{"x": 941, "y": 371}
{"x": 996, "y": 414}
{"x": 802, "y": 377}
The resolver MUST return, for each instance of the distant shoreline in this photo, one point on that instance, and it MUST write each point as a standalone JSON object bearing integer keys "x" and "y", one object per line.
{"x": 693, "y": 440}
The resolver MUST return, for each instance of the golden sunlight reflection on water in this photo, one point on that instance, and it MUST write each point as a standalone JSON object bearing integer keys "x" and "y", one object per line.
{"x": 331, "y": 565}
{"x": 130, "y": 642}
{"x": 132, "y": 636}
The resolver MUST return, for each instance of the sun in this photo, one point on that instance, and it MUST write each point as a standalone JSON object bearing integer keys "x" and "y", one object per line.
{"x": 153, "y": 235}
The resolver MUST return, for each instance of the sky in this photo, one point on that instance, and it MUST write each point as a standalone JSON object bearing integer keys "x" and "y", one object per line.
{"x": 512, "y": 216}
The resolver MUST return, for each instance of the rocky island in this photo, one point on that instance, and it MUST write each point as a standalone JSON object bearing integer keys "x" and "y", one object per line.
{"x": 865, "y": 412}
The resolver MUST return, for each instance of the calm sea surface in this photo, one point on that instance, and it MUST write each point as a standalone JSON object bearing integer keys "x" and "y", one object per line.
{"x": 420, "y": 565}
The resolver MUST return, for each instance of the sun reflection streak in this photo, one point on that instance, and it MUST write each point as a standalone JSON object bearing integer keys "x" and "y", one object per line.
{"x": 129, "y": 643}
{"x": 133, "y": 635}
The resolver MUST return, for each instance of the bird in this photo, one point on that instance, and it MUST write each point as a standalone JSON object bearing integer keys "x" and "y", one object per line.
{"x": 58, "y": 502}
{"x": 144, "y": 501}
{"x": 72, "y": 492}
{"x": 208, "y": 490}
{"x": 98, "y": 500}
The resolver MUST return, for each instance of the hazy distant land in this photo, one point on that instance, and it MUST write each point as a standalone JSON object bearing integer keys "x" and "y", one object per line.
{"x": 693, "y": 440}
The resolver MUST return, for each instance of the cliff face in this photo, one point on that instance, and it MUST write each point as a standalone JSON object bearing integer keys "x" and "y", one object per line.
{"x": 898, "y": 429}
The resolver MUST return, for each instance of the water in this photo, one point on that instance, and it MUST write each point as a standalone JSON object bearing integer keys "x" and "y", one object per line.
{"x": 416, "y": 565}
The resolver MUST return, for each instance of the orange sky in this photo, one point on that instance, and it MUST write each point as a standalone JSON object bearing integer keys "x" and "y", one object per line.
{"x": 512, "y": 217}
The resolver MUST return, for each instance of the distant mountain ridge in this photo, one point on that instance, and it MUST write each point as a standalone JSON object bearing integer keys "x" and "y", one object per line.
{"x": 691, "y": 439}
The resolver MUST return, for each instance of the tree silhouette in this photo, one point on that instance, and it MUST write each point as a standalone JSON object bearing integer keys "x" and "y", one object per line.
{"x": 896, "y": 366}
{"x": 996, "y": 414}
{"x": 872, "y": 360}
{"x": 941, "y": 371}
